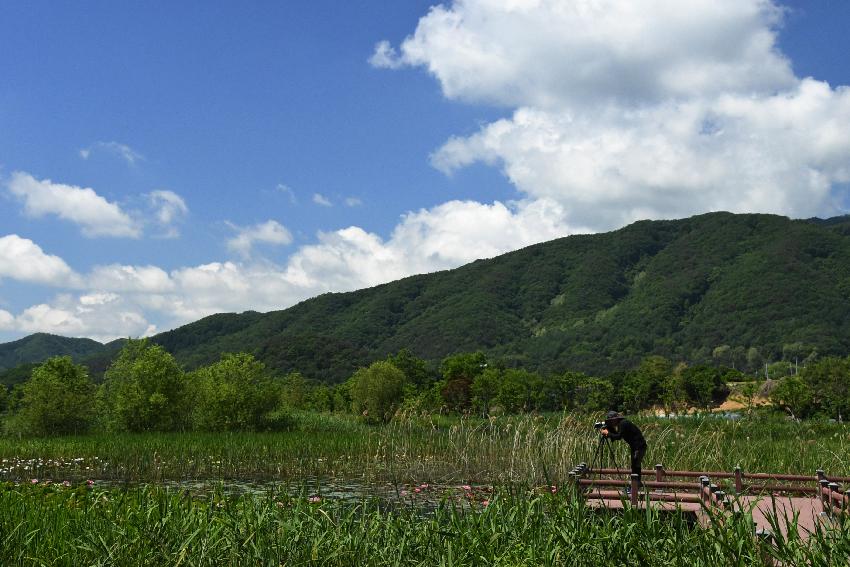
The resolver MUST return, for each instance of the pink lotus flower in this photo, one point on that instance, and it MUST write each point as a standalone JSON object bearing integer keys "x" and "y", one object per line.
{"x": 66, "y": 483}
{"x": 34, "y": 481}
{"x": 89, "y": 482}
{"x": 553, "y": 489}
{"x": 417, "y": 490}
{"x": 314, "y": 499}
{"x": 424, "y": 485}
{"x": 466, "y": 487}
{"x": 485, "y": 502}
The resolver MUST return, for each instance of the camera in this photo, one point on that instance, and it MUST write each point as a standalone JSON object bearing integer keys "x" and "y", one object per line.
{"x": 599, "y": 425}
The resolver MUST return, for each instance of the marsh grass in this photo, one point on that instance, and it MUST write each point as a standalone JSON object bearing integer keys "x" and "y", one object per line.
{"x": 156, "y": 526}
{"x": 514, "y": 519}
{"x": 520, "y": 449}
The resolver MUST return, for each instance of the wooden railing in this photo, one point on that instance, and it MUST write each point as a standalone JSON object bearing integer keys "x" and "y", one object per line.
{"x": 835, "y": 500}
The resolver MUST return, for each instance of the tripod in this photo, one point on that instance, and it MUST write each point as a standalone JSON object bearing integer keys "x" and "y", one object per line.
{"x": 604, "y": 455}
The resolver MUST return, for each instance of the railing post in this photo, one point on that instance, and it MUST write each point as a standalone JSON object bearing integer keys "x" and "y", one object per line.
{"x": 634, "y": 490}
{"x": 659, "y": 472}
{"x": 824, "y": 496}
{"x": 835, "y": 497}
{"x": 739, "y": 480}
{"x": 704, "y": 490}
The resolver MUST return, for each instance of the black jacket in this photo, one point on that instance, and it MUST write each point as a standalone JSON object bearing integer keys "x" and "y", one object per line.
{"x": 628, "y": 432}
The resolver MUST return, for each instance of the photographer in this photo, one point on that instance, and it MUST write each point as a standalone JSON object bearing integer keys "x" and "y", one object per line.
{"x": 617, "y": 427}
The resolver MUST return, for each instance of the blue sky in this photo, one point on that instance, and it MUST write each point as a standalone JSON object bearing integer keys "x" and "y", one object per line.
{"x": 161, "y": 161}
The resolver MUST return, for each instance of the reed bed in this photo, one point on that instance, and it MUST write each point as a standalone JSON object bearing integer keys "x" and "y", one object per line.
{"x": 510, "y": 450}
{"x": 156, "y": 526}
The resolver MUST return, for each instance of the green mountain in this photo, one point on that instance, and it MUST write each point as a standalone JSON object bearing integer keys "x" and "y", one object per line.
{"x": 759, "y": 287}
{"x": 41, "y": 346}
{"x": 591, "y": 302}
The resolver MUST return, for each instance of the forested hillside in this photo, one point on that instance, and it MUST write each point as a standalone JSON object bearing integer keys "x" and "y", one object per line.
{"x": 738, "y": 290}
{"x": 40, "y": 346}
{"x": 735, "y": 290}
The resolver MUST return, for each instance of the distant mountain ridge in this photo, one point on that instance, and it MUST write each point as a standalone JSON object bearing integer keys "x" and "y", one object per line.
{"x": 597, "y": 303}
{"x": 40, "y": 346}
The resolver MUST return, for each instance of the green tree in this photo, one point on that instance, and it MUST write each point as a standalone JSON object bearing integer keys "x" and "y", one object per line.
{"x": 377, "y": 391}
{"x": 144, "y": 389}
{"x": 703, "y": 385}
{"x": 295, "y": 390}
{"x": 643, "y": 386}
{"x": 722, "y": 355}
{"x": 793, "y": 395}
{"x": 459, "y": 371}
{"x": 519, "y": 390}
{"x": 829, "y": 380}
{"x": 485, "y": 388}
{"x": 754, "y": 360}
{"x": 58, "y": 399}
{"x": 673, "y": 388}
{"x": 415, "y": 369}
{"x": 593, "y": 394}
{"x": 234, "y": 394}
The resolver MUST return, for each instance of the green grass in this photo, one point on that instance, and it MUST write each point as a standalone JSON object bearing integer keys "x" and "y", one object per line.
{"x": 155, "y": 526}
{"x": 145, "y": 522}
{"x": 524, "y": 449}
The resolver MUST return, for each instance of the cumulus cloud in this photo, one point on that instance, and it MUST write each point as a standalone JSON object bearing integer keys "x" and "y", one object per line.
{"x": 169, "y": 208}
{"x": 443, "y": 237}
{"x": 124, "y": 278}
{"x": 122, "y": 151}
{"x": 125, "y": 300}
{"x": 629, "y": 110}
{"x": 320, "y": 199}
{"x": 23, "y": 260}
{"x": 100, "y": 316}
{"x": 269, "y": 232}
{"x": 81, "y": 205}
{"x": 7, "y": 320}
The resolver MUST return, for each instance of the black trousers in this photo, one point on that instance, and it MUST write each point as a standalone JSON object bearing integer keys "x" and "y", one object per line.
{"x": 637, "y": 454}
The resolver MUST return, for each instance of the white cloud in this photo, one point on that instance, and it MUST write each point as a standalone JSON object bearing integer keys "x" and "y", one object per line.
{"x": 143, "y": 279}
{"x": 122, "y": 300}
{"x": 269, "y": 232}
{"x": 549, "y": 53}
{"x": 100, "y": 316}
{"x": 443, "y": 237}
{"x": 353, "y": 201}
{"x": 320, "y": 199}
{"x": 23, "y": 260}
{"x": 95, "y": 215}
{"x": 7, "y": 320}
{"x": 123, "y": 151}
{"x": 287, "y": 190}
{"x": 168, "y": 208}
{"x": 629, "y": 110}
{"x": 386, "y": 57}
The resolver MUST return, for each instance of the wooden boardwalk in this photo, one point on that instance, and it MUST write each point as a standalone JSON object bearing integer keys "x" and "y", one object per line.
{"x": 776, "y": 502}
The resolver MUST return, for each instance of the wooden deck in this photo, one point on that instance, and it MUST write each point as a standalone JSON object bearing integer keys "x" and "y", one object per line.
{"x": 804, "y": 503}
{"x": 807, "y": 512}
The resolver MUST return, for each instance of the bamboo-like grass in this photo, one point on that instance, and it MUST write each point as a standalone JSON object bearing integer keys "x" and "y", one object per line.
{"x": 517, "y": 522}
{"x": 156, "y": 526}
{"x": 508, "y": 450}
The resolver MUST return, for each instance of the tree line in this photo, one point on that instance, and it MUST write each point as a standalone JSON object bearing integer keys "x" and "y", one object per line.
{"x": 145, "y": 389}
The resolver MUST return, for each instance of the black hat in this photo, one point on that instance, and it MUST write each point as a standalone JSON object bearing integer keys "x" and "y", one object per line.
{"x": 613, "y": 415}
